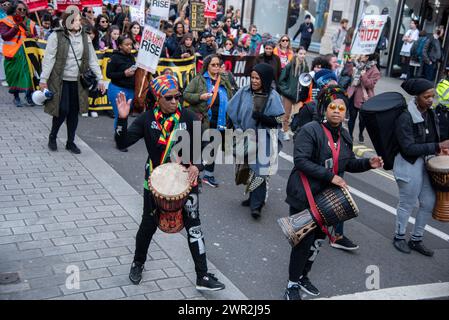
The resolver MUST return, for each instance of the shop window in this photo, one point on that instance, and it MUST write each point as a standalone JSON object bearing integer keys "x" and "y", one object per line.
{"x": 270, "y": 16}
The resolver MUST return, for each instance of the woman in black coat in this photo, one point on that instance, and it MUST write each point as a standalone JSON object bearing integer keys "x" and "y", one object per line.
{"x": 313, "y": 157}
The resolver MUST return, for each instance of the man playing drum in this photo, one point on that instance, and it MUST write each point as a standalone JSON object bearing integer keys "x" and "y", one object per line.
{"x": 156, "y": 126}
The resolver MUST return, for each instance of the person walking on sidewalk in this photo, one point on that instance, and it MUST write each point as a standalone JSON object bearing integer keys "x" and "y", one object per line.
{"x": 61, "y": 74}
{"x": 409, "y": 39}
{"x": 312, "y": 154}
{"x": 418, "y": 135}
{"x": 14, "y": 29}
{"x": 155, "y": 127}
{"x": 306, "y": 30}
{"x": 339, "y": 36}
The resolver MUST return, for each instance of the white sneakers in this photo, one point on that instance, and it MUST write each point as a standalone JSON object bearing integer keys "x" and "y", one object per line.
{"x": 93, "y": 114}
{"x": 85, "y": 114}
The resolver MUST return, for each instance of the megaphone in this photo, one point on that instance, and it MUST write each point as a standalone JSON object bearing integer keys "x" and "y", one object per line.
{"x": 305, "y": 79}
{"x": 40, "y": 97}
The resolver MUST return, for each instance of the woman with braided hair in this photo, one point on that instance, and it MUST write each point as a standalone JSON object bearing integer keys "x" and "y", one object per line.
{"x": 314, "y": 158}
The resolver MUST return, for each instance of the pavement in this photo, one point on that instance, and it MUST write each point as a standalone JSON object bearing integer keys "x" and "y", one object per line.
{"x": 61, "y": 212}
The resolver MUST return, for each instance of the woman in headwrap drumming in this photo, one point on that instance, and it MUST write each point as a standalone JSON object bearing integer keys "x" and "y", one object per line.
{"x": 418, "y": 135}
{"x": 245, "y": 114}
{"x": 156, "y": 126}
{"x": 314, "y": 158}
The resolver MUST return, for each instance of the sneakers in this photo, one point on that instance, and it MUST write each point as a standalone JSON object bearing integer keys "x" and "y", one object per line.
{"x": 209, "y": 283}
{"x": 52, "y": 144}
{"x": 403, "y": 77}
{"x": 285, "y": 136}
{"x": 344, "y": 244}
{"x": 73, "y": 148}
{"x": 418, "y": 246}
{"x": 401, "y": 245}
{"x": 135, "y": 274}
{"x": 292, "y": 293}
{"x": 255, "y": 213}
{"x": 30, "y": 101}
{"x": 245, "y": 203}
{"x": 17, "y": 102}
{"x": 85, "y": 115}
{"x": 308, "y": 287}
{"x": 94, "y": 114}
{"x": 210, "y": 181}
{"x": 4, "y": 83}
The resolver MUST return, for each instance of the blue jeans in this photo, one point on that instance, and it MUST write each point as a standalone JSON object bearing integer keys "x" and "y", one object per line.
{"x": 414, "y": 187}
{"x": 429, "y": 71}
{"x": 113, "y": 91}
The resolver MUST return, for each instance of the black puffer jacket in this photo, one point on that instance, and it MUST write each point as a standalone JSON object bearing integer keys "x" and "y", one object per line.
{"x": 310, "y": 153}
{"x": 443, "y": 118}
{"x": 412, "y": 137}
{"x": 116, "y": 70}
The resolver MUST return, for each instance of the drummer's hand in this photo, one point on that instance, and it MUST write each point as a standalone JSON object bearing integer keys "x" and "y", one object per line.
{"x": 443, "y": 152}
{"x": 123, "y": 106}
{"x": 444, "y": 144}
{"x": 338, "y": 181}
{"x": 193, "y": 174}
{"x": 376, "y": 162}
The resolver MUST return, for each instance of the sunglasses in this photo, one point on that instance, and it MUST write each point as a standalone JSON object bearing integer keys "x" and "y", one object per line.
{"x": 104, "y": 21}
{"x": 214, "y": 64}
{"x": 339, "y": 107}
{"x": 285, "y": 40}
{"x": 170, "y": 98}
{"x": 21, "y": 9}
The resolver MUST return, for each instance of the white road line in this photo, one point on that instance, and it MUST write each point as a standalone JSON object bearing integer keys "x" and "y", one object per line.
{"x": 416, "y": 292}
{"x": 380, "y": 204}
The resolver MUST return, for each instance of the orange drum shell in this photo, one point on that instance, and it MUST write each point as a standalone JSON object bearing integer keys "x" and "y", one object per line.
{"x": 441, "y": 209}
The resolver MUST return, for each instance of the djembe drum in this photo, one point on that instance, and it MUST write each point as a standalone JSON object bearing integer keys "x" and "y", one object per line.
{"x": 334, "y": 205}
{"x": 170, "y": 186}
{"x": 438, "y": 169}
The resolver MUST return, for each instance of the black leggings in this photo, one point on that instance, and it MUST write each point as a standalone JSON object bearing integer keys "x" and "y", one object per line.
{"x": 304, "y": 253}
{"x": 68, "y": 110}
{"x": 353, "y": 112}
{"x": 192, "y": 224}
{"x": 210, "y": 168}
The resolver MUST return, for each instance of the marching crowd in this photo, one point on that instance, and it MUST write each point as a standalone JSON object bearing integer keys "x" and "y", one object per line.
{"x": 326, "y": 92}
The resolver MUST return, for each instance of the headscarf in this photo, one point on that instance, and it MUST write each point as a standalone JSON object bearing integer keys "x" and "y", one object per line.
{"x": 266, "y": 74}
{"x": 329, "y": 94}
{"x": 162, "y": 84}
{"x": 417, "y": 86}
{"x": 323, "y": 77}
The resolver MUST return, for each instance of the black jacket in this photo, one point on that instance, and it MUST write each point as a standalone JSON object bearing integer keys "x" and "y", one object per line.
{"x": 412, "y": 137}
{"x": 145, "y": 127}
{"x": 116, "y": 70}
{"x": 443, "y": 119}
{"x": 310, "y": 153}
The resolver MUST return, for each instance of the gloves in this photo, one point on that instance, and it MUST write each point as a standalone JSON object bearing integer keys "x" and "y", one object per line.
{"x": 267, "y": 121}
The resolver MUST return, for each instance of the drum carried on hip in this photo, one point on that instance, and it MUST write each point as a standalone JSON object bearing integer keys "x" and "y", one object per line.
{"x": 438, "y": 169}
{"x": 334, "y": 205}
{"x": 170, "y": 186}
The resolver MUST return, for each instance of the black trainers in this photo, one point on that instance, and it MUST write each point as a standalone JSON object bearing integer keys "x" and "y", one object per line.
{"x": 418, "y": 246}
{"x": 209, "y": 283}
{"x": 344, "y": 244}
{"x": 292, "y": 293}
{"x": 245, "y": 203}
{"x": 135, "y": 274}
{"x": 73, "y": 148}
{"x": 401, "y": 245}
{"x": 52, "y": 145}
{"x": 255, "y": 213}
{"x": 308, "y": 287}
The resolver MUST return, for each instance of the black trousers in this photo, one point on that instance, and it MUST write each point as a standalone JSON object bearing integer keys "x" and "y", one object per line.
{"x": 192, "y": 224}
{"x": 305, "y": 43}
{"x": 405, "y": 68}
{"x": 210, "y": 168}
{"x": 353, "y": 112}
{"x": 68, "y": 110}
{"x": 304, "y": 253}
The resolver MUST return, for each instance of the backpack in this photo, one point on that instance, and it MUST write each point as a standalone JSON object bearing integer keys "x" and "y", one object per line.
{"x": 418, "y": 48}
{"x": 379, "y": 114}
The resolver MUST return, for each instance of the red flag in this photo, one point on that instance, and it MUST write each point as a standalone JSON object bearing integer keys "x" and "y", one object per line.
{"x": 36, "y": 5}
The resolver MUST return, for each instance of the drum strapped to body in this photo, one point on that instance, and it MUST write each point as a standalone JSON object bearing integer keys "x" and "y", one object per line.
{"x": 170, "y": 187}
{"x": 438, "y": 170}
{"x": 334, "y": 205}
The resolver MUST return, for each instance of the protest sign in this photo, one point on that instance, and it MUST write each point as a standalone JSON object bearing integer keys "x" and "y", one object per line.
{"x": 138, "y": 14}
{"x": 197, "y": 16}
{"x": 153, "y": 21}
{"x": 240, "y": 67}
{"x": 137, "y": 4}
{"x": 210, "y": 9}
{"x": 182, "y": 69}
{"x": 368, "y": 34}
{"x": 36, "y": 5}
{"x": 159, "y": 8}
{"x": 150, "y": 48}
{"x": 63, "y": 4}
{"x": 92, "y": 3}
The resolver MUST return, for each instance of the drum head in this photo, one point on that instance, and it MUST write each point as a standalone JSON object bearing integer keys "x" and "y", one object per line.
{"x": 438, "y": 164}
{"x": 170, "y": 180}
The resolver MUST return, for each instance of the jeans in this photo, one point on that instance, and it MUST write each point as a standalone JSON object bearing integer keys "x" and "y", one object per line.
{"x": 429, "y": 71}
{"x": 210, "y": 168}
{"x": 113, "y": 91}
{"x": 414, "y": 188}
{"x": 68, "y": 110}
{"x": 258, "y": 196}
{"x": 192, "y": 224}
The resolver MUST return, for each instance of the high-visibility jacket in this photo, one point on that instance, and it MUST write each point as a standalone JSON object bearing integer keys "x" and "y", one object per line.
{"x": 11, "y": 46}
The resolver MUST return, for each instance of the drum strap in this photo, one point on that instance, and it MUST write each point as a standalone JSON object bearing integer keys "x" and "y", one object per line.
{"x": 313, "y": 207}
{"x": 335, "y": 149}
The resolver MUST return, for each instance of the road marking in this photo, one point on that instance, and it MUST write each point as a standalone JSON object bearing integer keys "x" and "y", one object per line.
{"x": 416, "y": 292}
{"x": 381, "y": 205}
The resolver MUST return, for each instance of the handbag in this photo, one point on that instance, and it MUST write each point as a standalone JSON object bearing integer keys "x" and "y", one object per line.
{"x": 88, "y": 79}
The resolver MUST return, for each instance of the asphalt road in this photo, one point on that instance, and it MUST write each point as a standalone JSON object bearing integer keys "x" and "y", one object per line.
{"x": 254, "y": 255}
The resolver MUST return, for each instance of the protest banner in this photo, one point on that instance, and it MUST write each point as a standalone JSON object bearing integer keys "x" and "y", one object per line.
{"x": 210, "y": 9}
{"x": 138, "y": 14}
{"x": 183, "y": 69}
{"x": 368, "y": 34}
{"x": 133, "y": 3}
{"x": 150, "y": 48}
{"x": 63, "y": 4}
{"x": 198, "y": 22}
{"x": 36, "y": 5}
{"x": 159, "y": 8}
{"x": 92, "y": 3}
{"x": 240, "y": 67}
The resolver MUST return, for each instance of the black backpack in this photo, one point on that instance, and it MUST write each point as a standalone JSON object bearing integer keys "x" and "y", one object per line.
{"x": 379, "y": 114}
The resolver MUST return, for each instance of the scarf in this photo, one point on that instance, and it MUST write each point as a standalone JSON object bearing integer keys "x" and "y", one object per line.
{"x": 359, "y": 67}
{"x": 166, "y": 123}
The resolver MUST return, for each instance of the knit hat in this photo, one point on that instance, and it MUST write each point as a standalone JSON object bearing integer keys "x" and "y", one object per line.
{"x": 162, "y": 84}
{"x": 417, "y": 86}
{"x": 329, "y": 94}
{"x": 323, "y": 77}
